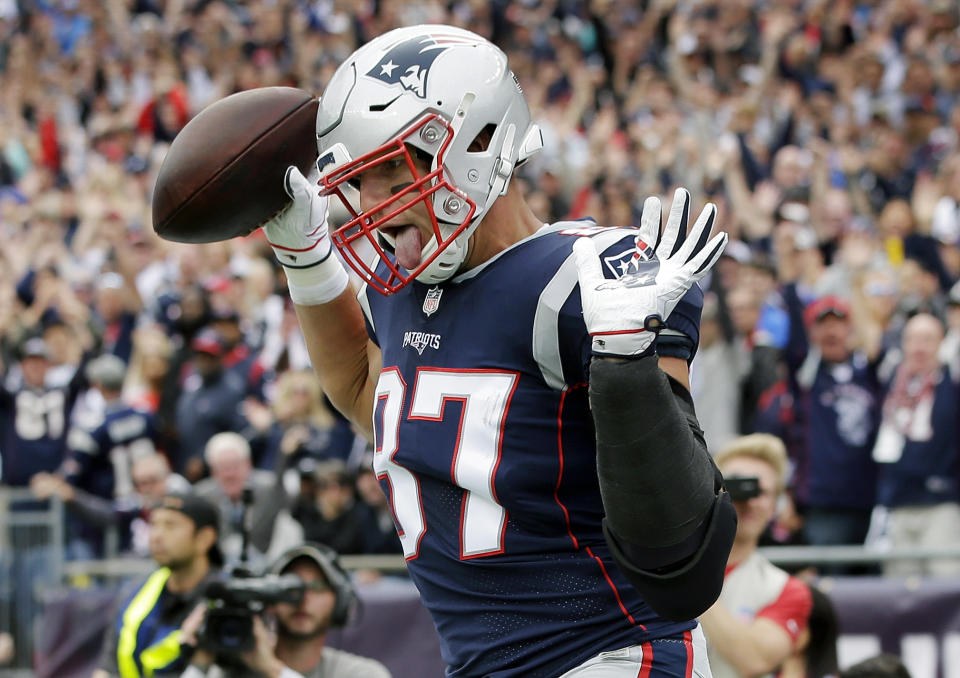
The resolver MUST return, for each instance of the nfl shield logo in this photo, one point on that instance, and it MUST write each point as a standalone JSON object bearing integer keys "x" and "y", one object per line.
{"x": 432, "y": 301}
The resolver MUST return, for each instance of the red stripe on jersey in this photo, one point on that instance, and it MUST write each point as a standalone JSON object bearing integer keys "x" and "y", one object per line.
{"x": 646, "y": 660}
{"x": 556, "y": 489}
{"x": 613, "y": 587}
{"x": 688, "y": 643}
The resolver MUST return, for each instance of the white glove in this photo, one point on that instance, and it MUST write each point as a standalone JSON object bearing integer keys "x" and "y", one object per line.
{"x": 624, "y": 315}
{"x": 301, "y": 242}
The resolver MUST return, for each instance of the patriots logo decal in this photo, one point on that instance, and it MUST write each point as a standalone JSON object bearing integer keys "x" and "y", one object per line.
{"x": 620, "y": 264}
{"x": 408, "y": 63}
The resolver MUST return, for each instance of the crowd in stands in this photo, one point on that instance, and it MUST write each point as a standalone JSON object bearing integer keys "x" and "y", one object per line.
{"x": 826, "y": 132}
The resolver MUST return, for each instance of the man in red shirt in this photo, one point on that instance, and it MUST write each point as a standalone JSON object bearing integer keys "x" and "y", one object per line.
{"x": 756, "y": 623}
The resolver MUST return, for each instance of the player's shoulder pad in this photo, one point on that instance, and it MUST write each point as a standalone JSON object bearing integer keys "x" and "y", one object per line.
{"x": 615, "y": 244}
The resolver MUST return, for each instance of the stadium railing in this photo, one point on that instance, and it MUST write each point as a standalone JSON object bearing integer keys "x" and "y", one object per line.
{"x": 31, "y": 561}
{"x": 113, "y": 568}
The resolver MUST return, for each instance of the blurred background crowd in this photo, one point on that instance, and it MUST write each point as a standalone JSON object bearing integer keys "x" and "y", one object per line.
{"x": 826, "y": 132}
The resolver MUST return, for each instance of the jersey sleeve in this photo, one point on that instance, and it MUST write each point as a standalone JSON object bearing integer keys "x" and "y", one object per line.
{"x": 364, "y": 301}
{"x": 791, "y": 610}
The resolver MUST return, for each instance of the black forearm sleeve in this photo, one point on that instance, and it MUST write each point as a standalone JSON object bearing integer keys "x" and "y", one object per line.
{"x": 656, "y": 477}
{"x": 668, "y": 524}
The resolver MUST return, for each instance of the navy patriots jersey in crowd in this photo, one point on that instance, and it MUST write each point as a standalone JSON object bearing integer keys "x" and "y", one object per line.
{"x": 33, "y": 428}
{"x": 485, "y": 445}
{"x": 100, "y": 459}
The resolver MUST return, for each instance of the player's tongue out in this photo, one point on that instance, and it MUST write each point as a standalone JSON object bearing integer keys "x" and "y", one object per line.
{"x": 408, "y": 247}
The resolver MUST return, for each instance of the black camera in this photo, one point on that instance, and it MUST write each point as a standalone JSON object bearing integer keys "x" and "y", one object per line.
{"x": 742, "y": 488}
{"x": 234, "y": 602}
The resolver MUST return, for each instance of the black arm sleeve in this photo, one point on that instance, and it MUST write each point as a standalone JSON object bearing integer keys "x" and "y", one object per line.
{"x": 668, "y": 523}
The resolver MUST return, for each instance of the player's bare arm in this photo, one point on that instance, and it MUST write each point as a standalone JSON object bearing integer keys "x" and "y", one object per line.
{"x": 345, "y": 361}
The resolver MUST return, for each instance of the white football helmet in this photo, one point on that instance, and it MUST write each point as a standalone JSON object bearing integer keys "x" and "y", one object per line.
{"x": 433, "y": 89}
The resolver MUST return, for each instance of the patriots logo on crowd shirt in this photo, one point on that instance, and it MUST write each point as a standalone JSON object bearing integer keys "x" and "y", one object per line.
{"x": 408, "y": 63}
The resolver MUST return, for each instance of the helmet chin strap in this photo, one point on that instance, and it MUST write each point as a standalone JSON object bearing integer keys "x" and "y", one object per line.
{"x": 503, "y": 169}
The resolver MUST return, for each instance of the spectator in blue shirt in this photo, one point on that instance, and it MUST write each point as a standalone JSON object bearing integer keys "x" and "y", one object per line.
{"x": 836, "y": 407}
{"x": 916, "y": 449}
{"x": 210, "y": 403}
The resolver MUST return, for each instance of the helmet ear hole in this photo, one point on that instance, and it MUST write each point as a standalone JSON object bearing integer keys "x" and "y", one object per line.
{"x": 481, "y": 142}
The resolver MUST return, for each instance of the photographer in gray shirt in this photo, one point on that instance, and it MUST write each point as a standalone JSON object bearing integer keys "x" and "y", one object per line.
{"x": 298, "y": 647}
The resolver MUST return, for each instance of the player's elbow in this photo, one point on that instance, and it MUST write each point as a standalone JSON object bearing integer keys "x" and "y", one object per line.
{"x": 685, "y": 587}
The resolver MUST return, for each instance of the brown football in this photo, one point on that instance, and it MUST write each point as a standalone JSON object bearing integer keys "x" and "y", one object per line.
{"x": 223, "y": 174}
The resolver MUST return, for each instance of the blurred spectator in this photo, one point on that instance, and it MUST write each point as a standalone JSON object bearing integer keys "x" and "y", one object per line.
{"x": 239, "y": 358}
{"x": 950, "y": 346}
{"x": 380, "y": 532}
{"x": 100, "y": 458}
{"x": 299, "y": 424}
{"x": 333, "y": 516}
{"x": 881, "y": 666}
{"x": 945, "y": 220}
{"x": 117, "y": 303}
{"x": 269, "y": 525}
{"x": 836, "y": 396}
{"x": 208, "y": 404}
{"x": 757, "y": 623}
{"x": 131, "y": 514}
{"x": 33, "y": 416}
{"x": 715, "y": 375}
{"x": 816, "y": 655}
{"x": 916, "y": 450}
{"x": 758, "y": 359}
{"x": 260, "y": 289}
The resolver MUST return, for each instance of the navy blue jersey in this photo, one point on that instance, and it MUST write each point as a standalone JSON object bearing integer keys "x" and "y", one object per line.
{"x": 33, "y": 427}
{"x": 485, "y": 445}
{"x": 838, "y": 407}
{"x": 101, "y": 458}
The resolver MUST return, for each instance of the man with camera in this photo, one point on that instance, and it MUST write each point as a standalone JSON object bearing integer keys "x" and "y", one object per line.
{"x": 146, "y": 635}
{"x": 322, "y": 599}
{"x": 762, "y": 611}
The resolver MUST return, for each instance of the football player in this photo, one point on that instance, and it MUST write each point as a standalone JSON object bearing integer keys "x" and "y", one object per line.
{"x": 555, "y": 500}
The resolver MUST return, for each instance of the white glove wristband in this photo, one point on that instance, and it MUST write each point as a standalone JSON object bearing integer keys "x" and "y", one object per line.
{"x": 622, "y": 344}
{"x": 318, "y": 284}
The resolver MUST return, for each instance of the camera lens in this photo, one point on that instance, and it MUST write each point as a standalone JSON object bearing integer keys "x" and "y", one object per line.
{"x": 232, "y": 633}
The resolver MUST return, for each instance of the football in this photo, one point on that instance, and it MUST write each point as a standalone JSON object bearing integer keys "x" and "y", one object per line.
{"x": 222, "y": 176}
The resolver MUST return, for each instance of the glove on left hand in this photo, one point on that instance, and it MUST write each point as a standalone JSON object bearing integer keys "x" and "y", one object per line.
{"x": 623, "y": 315}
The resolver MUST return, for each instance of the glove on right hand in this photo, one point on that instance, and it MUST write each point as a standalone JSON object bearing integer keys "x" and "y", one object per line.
{"x": 300, "y": 239}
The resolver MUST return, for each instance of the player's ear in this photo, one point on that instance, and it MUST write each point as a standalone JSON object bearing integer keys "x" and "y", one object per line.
{"x": 481, "y": 142}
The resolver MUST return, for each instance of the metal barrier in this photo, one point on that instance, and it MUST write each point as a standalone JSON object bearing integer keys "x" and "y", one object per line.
{"x": 31, "y": 560}
{"x": 853, "y": 555}
{"x": 120, "y": 568}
